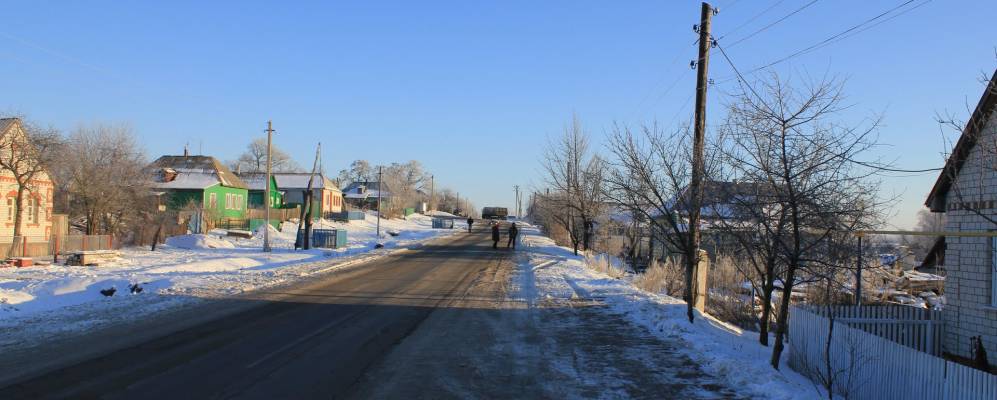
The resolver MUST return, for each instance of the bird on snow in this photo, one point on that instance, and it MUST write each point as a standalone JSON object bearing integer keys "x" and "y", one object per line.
{"x": 108, "y": 292}
{"x": 135, "y": 288}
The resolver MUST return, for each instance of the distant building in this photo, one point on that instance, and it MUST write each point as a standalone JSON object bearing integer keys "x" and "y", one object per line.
{"x": 36, "y": 205}
{"x": 202, "y": 182}
{"x": 966, "y": 191}
{"x": 326, "y": 196}
{"x": 365, "y": 194}
{"x": 257, "y": 190}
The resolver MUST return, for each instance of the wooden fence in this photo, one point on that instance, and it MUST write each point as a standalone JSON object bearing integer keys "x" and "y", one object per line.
{"x": 918, "y": 328}
{"x": 43, "y": 246}
{"x": 866, "y": 366}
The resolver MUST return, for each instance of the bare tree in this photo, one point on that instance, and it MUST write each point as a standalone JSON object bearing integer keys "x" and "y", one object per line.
{"x": 812, "y": 167}
{"x": 577, "y": 176}
{"x": 26, "y": 154}
{"x": 650, "y": 174}
{"x": 102, "y": 168}
{"x": 359, "y": 171}
{"x": 254, "y": 159}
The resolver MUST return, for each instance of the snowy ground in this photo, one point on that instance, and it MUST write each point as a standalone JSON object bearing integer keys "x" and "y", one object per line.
{"x": 720, "y": 349}
{"x": 43, "y": 301}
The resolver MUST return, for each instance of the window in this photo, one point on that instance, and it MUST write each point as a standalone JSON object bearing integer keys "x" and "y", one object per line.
{"x": 10, "y": 209}
{"x": 32, "y": 211}
{"x": 228, "y": 201}
{"x": 212, "y": 201}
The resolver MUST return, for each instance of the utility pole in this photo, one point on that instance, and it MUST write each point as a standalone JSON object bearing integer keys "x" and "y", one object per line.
{"x": 266, "y": 199}
{"x": 696, "y": 183}
{"x": 519, "y": 210}
{"x": 432, "y": 192}
{"x": 380, "y": 187}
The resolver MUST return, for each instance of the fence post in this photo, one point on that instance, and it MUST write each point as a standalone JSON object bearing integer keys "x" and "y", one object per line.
{"x": 55, "y": 251}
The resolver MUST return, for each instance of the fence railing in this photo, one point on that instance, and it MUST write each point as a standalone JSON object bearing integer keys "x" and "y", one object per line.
{"x": 918, "y": 328}
{"x": 44, "y": 246}
{"x": 865, "y": 366}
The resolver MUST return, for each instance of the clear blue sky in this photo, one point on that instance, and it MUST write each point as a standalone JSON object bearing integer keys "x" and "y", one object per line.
{"x": 470, "y": 89}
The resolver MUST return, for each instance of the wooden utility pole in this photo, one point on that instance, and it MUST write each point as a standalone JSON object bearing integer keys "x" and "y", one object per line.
{"x": 519, "y": 211}
{"x": 266, "y": 198}
{"x": 698, "y": 144}
{"x": 432, "y": 192}
{"x": 380, "y": 187}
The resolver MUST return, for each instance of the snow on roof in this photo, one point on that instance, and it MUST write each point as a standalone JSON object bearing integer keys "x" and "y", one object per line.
{"x": 299, "y": 180}
{"x": 192, "y": 172}
{"x": 255, "y": 181}
{"x": 189, "y": 180}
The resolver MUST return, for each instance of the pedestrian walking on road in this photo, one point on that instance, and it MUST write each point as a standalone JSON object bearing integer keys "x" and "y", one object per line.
{"x": 495, "y": 235}
{"x": 513, "y": 232}
{"x": 470, "y": 221}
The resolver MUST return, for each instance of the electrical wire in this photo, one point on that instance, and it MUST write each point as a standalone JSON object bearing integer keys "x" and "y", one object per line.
{"x": 836, "y": 36}
{"x": 776, "y": 22}
{"x": 865, "y": 164}
{"x": 752, "y": 19}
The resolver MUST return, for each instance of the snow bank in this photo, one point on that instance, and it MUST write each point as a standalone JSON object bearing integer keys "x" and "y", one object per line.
{"x": 194, "y": 242}
{"x": 721, "y": 349}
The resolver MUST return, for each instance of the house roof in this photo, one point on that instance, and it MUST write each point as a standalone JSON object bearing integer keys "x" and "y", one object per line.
{"x": 255, "y": 180}
{"x": 7, "y": 123}
{"x": 372, "y": 190}
{"x": 721, "y": 199}
{"x": 967, "y": 140}
{"x": 299, "y": 180}
{"x": 193, "y": 172}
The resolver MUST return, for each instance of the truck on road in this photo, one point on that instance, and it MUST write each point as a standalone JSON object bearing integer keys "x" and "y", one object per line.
{"x": 500, "y": 213}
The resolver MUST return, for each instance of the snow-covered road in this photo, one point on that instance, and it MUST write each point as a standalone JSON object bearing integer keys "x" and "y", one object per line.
{"x": 43, "y": 303}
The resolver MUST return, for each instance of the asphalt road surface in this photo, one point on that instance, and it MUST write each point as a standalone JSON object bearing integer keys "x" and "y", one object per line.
{"x": 435, "y": 322}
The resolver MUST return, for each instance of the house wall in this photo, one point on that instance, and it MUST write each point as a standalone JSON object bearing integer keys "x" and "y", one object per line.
{"x": 256, "y": 197}
{"x": 323, "y": 200}
{"x": 41, "y": 207}
{"x": 971, "y": 261}
{"x": 236, "y": 208}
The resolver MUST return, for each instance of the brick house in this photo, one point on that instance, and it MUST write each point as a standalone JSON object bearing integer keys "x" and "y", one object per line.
{"x": 966, "y": 191}
{"x": 36, "y": 212}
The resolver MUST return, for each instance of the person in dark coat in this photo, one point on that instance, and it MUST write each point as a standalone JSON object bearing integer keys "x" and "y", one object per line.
{"x": 513, "y": 232}
{"x": 495, "y": 236}
{"x": 470, "y": 221}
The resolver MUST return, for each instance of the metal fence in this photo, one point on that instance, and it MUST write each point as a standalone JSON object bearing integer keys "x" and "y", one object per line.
{"x": 866, "y": 366}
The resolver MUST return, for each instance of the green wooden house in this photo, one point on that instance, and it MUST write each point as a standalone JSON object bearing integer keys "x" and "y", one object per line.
{"x": 257, "y": 190}
{"x": 200, "y": 181}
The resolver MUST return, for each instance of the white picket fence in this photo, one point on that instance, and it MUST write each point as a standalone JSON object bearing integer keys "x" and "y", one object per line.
{"x": 866, "y": 366}
{"x": 918, "y": 328}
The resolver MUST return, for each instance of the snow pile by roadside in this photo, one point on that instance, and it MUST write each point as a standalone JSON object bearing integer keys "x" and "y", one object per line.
{"x": 44, "y": 299}
{"x": 721, "y": 349}
{"x": 195, "y": 242}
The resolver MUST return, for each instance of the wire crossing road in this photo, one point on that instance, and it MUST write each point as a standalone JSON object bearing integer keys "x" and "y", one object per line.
{"x": 435, "y": 322}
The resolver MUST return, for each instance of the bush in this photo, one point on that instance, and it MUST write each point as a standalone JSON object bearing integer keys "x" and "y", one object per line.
{"x": 663, "y": 277}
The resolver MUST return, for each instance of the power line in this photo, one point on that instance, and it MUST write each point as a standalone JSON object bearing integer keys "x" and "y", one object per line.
{"x": 752, "y": 19}
{"x": 865, "y": 164}
{"x": 776, "y": 22}
{"x": 832, "y": 38}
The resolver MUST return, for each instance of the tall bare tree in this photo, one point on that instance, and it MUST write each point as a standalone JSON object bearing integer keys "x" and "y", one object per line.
{"x": 791, "y": 141}
{"x": 26, "y": 154}
{"x": 576, "y": 176}
{"x": 102, "y": 168}
{"x": 650, "y": 174}
{"x": 254, "y": 159}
